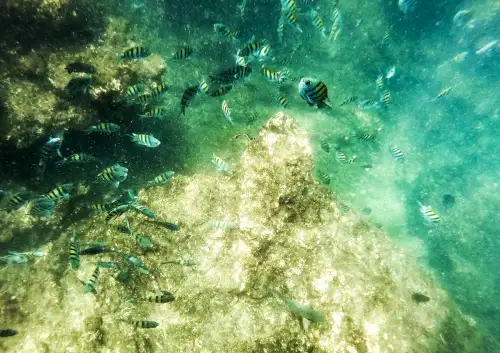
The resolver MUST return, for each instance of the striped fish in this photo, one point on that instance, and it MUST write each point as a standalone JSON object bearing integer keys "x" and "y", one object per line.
{"x": 274, "y": 76}
{"x": 288, "y": 6}
{"x": 348, "y": 100}
{"x": 369, "y": 104}
{"x": 221, "y": 91}
{"x": 226, "y": 31}
{"x": 49, "y": 150}
{"x": 78, "y": 158}
{"x": 314, "y": 92}
{"x": 117, "y": 212}
{"x": 154, "y": 113}
{"x": 443, "y": 93}
{"x": 161, "y": 297}
{"x": 324, "y": 145}
{"x": 282, "y": 101}
{"x": 62, "y": 191}
{"x": 241, "y": 61}
{"x": 134, "y": 91}
{"x": 145, "y": 324}
{"x": 340, "y": 157}
{"x": 318, "y": 22}
{"x": 292, "y": 20}
{"x": 102, "y": 127}
{"x": 143, "y": 98}
{"x": 92, "y": 283}
{"x": 158, "y": 90}
{"x": 135, "y": 53}
{"x": 324, "y": 178}
{"x": 367, "y": 136}
{"x": 145, "y": 140}
{"x": 18, "y": 200}
{"x": 252, "y": 48}
{"x": 142, "y": 209}
{"x": 281, "y": 27}
{"x": 397, "y": 154}
{"x": 223, "y": 224}
{"x": 42, "y": 207}
{"x": 161, "y": 179}
{"x": 338, "y": 23}
{"x": 203, "y": 87}
{"x": 231, "y": 75}
{"x": 188, "y": 97}
{"x": 386, "y": 98}
{"x": 220, "y": 164}
{"x": 386, "y": 37}
{"x": 380, "y": 82}
{"x": 429, "y": 215}
{"x": 74, "y": 252}
{"x": 183, "y": 53}
{"x": 227, "y": 111}
{"x": 114, "y": 174}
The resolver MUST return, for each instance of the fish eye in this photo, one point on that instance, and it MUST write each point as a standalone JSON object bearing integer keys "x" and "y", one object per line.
{"x": 308, "y": 83}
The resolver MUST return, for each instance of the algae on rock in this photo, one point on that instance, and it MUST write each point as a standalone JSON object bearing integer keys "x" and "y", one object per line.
{"x": 290, "y": 240}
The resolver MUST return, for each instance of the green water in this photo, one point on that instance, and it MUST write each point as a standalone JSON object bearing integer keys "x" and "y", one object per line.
{"x": 450, "y": 144}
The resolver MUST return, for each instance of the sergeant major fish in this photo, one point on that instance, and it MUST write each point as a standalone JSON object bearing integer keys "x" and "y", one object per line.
{"x": 314, "y": 92}
{"x": 103, "y": 127}
{"x": 220, "y": 164}
{"x": 145, "y": 140}
{"x": 135, "y": 53}
{"x": 227, "y": 112}
{"x": 74, "y": 252}
{"x": 162, "y": 179}
{"x": 188, "y": 97}
{"x": 115, "y": 174}
{"x": 429, "y": 215}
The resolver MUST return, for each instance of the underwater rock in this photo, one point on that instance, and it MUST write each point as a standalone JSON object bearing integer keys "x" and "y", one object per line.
{"x": 290, "y": 240}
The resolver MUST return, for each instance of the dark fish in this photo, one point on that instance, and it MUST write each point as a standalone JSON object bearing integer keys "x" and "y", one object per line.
{"x": 419, "y": 298}
{"x": 79, "y": 85}
{"x": 145, "y": 324}
{"x": 366, "y": 211}
{"x": 314, "y": 92}
{"x": 231, "y": 75}
{"x": 188, "y": 97}
{"x": 168, "y": 225}
{"x": 94, "y": 249}
{"x": 448, "y": 200}
{"x": 8, "y": 332}
{"x": 136, "y": 53}
{"x": 222, "y": 90}
{"x": 183, "y": 53}
{"x": 162, "y": 297}
{"x": 80, "y": 67}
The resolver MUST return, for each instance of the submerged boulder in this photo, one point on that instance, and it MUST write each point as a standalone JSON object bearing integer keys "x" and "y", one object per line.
{"x": 266, "y": 249}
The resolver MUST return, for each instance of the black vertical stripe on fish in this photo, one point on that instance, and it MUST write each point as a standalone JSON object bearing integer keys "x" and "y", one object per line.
{"x": 188, "y": 97}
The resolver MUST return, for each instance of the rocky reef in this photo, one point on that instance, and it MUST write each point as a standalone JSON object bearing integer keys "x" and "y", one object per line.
{"x": 265, "y": 228}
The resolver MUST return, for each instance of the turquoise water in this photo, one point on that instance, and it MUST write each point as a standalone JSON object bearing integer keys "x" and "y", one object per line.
{"x": 449, "y": 143}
